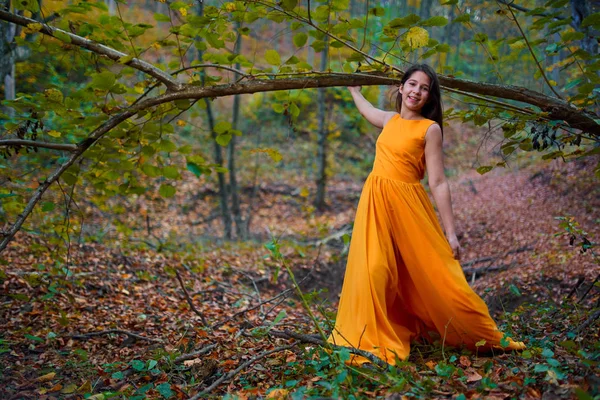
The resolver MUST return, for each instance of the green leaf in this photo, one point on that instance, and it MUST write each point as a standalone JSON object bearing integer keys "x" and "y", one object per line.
{"x": 170, "y": 172}
{"x": 377, "y": 11}
{"x": 161, "y": 17}
{"x": 151, "y": 170}
{"x": 34, "y": 338}
{"x": 504, "y": 342}
{"x": 165, "y": 390}
{"x": 318, "y": 45}
{"x": 289, "y": 5}
{"x": 222, "y": 127}
{"x": 482, "y": 342}
{"x": 526, "y": 354}
{"x": 463, "y": 18}
{"x": 547, "y": 353}
{"x": 540, "y": 368}
{"x": 435, "y": 21}
{"x": 272, "y": 57}
{"x": 104, "y": 80}
{"x": 152, "y": 364}
{"x": 167, "y": 146}
{"x": 514, "y": 290}
{"x": 484, "y": 169}
{"x": 224, "y": 139}
{"x": 194, "y": 169}
{"x": 570, "y": 36}
{"x": 118, "y": 375}
{"x": 300, "y": 39}
{"x": 591, "y": 20}
{"x": 69, "y": 178}
{"x": 166, "y": 191}
{"x": 138, "y": 365}
{"x": 48, "y": 206}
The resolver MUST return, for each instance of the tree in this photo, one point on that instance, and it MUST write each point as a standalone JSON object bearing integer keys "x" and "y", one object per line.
{"x": 136, "y": 114}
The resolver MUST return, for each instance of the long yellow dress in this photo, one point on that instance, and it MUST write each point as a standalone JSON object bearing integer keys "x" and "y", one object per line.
{"x": 401, "y": 278}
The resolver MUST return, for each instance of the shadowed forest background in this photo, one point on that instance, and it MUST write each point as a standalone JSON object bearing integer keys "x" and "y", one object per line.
{"x": 178, "y": 182}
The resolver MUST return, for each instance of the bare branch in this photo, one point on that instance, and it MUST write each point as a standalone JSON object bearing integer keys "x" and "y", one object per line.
{"x": 33, "y": 143}
{"x": 190, "y": 356}
{"x": 189, "y": 299}
{"x": 97, "y": 48}
{"x": 239, "y": 369}
{"x": 120, "y": 331}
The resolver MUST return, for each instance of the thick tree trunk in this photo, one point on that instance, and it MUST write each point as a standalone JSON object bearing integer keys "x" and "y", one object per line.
{"x": 233, "y": 186}
{"x": 581, "y": 9}
{"x": 322, "y": 141}
{"x": 7, "y": 58}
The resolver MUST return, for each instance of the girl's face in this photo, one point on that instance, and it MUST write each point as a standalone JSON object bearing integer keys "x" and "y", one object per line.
{"x": 415, "y": 91}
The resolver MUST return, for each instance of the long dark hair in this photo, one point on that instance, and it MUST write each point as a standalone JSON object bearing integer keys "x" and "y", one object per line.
{"x": 433, "y": 108}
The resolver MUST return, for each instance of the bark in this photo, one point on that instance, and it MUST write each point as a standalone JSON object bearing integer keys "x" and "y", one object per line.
{"x": 322, "y": 141}
{"x": 233, "y": 186}
{"x": 7, "y": 58}
{"x": 218, "y": 152}
{"x": 580, "y": 10}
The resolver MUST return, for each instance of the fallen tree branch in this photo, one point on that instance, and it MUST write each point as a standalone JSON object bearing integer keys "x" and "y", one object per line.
{"x": 132, "y": 335}
{"x": 189, "y": 300}
{"x": 190, "y": 356}
{"x": 492, "y": 258}
{"x": 589, "y": 321}
{"x": 240, "y": 368}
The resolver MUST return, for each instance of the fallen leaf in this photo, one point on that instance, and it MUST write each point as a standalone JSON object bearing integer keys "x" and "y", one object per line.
{"x": 45, "y": 378}
{"x": 278, "y": 394}
{"x": 85, "y": 388}
{"x": 464, "y": 361}
{"x": 70, "y": 388}
{"x": 430, "y": 364}
{"x": 189, "y": 363}
{"x": 472, "y": 375}
{"x": 55, "y": 388}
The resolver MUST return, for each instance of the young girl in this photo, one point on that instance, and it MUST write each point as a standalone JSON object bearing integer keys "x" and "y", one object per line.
{"x": 403, "y": 277}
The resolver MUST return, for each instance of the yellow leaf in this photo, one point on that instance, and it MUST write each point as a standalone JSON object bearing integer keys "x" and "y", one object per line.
{"x": 183, "y": 11}
{"x": 54, "y": 133}
{"x": 552, "y": 83}
{"x": 70, "y": 388}
{"x": 230, "y": 7}
{"x": 277, "y": 394}
{"x": 417, "y": 37}
{"x": 34, "y": 27}
{"x": 517, "y": 45}
{"x": 45, "y": 378}
{"x": 85, "y": 388}
{"x": 304, "y": 192}
{"x": 181, "y": 122}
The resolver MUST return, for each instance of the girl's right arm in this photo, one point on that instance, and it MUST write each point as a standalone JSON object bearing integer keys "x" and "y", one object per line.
{"x": 374, "y": 115}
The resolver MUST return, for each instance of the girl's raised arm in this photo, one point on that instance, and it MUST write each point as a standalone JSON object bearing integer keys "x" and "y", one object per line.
{"x": 374, "y": 115}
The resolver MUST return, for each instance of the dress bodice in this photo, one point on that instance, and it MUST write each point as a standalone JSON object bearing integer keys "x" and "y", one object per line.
{"x": 400, "y": 150}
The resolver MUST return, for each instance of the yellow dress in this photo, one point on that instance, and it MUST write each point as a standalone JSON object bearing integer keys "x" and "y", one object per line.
{"x": 401, "y": 278}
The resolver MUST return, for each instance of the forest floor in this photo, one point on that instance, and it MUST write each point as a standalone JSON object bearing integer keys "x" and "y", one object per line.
{"x": 208, "y": 317}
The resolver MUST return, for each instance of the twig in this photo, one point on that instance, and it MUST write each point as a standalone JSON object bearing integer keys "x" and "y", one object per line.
{"x": 190, "y": 356}
{"x": 189, "y": 299}
{"x": 589, "y": 289}
{"x": 287, "y": 334}
{"x": 589, "y": 321}
{"x": 122, "y": 332}
{"x": 241, "y": 367}
{"x": 579, "y": 282}
{"x": 245, "y": 310}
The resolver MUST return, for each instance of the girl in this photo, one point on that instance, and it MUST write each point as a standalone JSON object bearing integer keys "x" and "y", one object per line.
{"x": 403, "y": 277}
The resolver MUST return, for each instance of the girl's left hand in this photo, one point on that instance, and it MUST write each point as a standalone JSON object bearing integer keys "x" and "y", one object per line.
{"x": 455, "y": 246}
